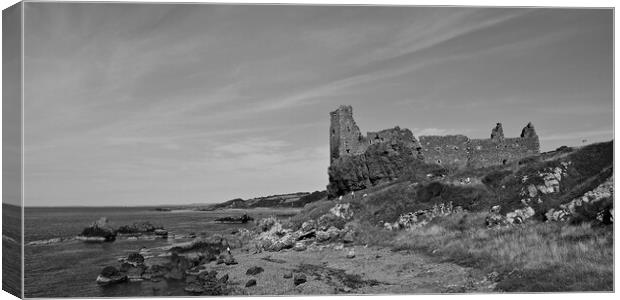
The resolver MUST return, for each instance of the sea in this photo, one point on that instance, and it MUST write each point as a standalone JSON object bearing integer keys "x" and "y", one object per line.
{"x": 58, "y": 265}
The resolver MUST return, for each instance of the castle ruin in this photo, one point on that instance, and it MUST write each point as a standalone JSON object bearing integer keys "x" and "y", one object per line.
{"x": 348, "y": 146}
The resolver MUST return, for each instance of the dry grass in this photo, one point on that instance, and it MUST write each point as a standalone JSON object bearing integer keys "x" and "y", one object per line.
{"x": 311, "y": 211}
{"x": 531, "y": 258}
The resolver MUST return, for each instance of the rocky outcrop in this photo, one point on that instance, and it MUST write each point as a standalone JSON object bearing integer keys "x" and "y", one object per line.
{"x": 590, "y": 199}
{"x": 243, "y": 219}
{"x": 518, "y": 216}
{"x": 142, "y": 228}
{"x": 103, "y": 231}
{"x": 545, "y": 182}
{"x": 273, "y": 237}
{"x": 110, "y": 275}
{"x": 180, "y": 262}
{"x": 330, "y": 227}
{"x": 421, "y": 217}
{"x": 380, "y": 163}
{"x": 99, "y": 231}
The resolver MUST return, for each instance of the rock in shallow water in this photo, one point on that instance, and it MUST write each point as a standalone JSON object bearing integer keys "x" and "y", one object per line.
{"x": 113, "y": 279}
{"x": 109, "y": 275}
{"x": 135, "y": 259}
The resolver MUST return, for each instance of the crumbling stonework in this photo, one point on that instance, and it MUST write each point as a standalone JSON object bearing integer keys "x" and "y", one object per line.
{"x": 358, "y": 161}
{"x": 345, "y": 136}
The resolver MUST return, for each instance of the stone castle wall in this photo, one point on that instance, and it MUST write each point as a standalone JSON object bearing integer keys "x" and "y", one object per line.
{"x": 452, "y": 151}
{"x": 458, "y": 151}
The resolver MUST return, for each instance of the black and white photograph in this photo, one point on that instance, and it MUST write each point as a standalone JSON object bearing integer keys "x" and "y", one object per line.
{"x": 238, "y": 149}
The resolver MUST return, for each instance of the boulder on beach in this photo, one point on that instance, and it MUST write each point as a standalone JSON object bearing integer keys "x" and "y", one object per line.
{"x": 254, "y": 271}
{"x": 227, "y": 259}
{"x": 299, "y": 279}
{"x": 308, "y": 225}
{"x": 351, "y": 254}
{"x": 322, "y": 236}
{"x": 349, "y": 237}
{"x": 251, "y": 282}
{"x": 299, "y": 246}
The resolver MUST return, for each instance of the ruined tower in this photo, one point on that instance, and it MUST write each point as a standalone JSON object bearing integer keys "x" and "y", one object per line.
{"x": 345, "y": 137}
{"x": 529, "y": 131}
{"x": 497, "y": 134}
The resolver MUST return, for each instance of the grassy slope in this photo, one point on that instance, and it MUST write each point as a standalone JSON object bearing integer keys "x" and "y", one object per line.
{"x": 533, "y": 257}
{"x": 539, "y": 257}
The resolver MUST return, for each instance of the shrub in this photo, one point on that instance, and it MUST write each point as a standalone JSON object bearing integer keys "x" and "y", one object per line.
{"x": 266, "y": 223}
{"x": 312, "y": 197}
{"x": 312, "y": 211}
{"x": 329, "y": 220}
{"x": 597, "y": 212}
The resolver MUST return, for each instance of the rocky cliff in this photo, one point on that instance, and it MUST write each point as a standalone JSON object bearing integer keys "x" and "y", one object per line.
{"x": 380, "y": 163}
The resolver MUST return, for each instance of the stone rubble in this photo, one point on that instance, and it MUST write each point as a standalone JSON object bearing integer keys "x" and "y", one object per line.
{"x": 565, "y": 211}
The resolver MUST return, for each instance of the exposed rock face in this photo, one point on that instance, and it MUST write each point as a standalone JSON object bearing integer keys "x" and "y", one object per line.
{"x": 420, "y": 218}
{"x": 274, "y": 237}
{"x": 342, "y": 211}
{"x": 589, "y": 199}
{"x": 330, "y": 227}
{"x": 380, "y": 163}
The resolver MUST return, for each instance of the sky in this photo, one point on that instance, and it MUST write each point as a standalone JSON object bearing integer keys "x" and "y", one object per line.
{"x": 148, "y": 104}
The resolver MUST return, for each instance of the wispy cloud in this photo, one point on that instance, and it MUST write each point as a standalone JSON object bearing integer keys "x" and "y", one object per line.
{"x": 130, "y": 103}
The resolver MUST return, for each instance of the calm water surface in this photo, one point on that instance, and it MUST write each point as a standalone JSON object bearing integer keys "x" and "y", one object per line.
{"x": 69, "y": 268}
